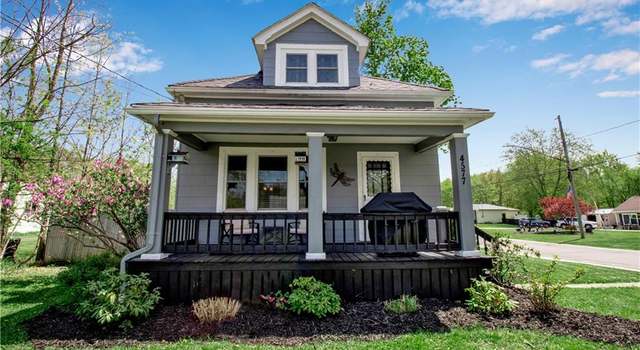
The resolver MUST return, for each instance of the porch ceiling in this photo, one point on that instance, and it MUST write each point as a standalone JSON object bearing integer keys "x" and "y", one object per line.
{"x": 219, "y": 138}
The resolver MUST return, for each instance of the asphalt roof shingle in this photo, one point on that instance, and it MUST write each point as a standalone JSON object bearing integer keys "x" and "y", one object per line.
{"x": 254, "y": 81}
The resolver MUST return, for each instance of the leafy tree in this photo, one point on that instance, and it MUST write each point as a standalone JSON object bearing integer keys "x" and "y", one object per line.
{"x": 536, "y": 166}
{"x": 446, "y": 190}
{"x": 605, "y": 181}
{"x": 398, "y": 57}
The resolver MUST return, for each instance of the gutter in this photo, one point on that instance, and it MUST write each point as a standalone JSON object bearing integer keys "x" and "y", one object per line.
{"x": 150, "y": 238}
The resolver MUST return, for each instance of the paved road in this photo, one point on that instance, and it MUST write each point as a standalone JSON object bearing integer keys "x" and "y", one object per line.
{"x": 619, "y": 258}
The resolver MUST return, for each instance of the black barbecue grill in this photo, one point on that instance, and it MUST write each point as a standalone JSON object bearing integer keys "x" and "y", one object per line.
{"x": 397, "y": 226}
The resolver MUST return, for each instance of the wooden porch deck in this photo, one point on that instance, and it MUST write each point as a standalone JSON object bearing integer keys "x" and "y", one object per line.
{"x": 355, "y": 276}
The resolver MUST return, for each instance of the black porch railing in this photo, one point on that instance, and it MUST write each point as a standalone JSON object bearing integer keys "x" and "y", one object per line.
{"x": 263, "y": 233}
{"x": 391, "y": 233}
{"x": 234, "y": 233}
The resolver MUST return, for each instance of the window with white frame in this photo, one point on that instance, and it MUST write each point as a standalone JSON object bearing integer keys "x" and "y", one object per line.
{"x": 262, "y": 179}
{"x": 311, "y": 65}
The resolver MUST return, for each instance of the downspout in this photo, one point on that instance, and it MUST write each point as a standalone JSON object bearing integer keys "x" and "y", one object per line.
{"x": 150, "y": 238}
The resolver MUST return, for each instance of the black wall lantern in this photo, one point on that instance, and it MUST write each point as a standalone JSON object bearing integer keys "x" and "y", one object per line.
{"x": 177, "y": 157}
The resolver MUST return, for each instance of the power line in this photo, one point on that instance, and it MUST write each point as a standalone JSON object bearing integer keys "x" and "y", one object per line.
{"x": 612, "y": 128}
{"x": 122, "y": 76}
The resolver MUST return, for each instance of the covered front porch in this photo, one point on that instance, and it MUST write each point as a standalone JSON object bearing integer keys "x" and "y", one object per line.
{"x": 260, "y": 203}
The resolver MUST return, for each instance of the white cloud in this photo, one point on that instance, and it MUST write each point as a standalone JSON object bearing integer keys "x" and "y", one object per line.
{"x": 615, "y": 63}
{"x": 621, "y": 26}
{"x": 547, "y": 32}
{"x": 494, "y": 11}
{"x": 498, "y": 44}
{"x": 549, "y": 61}
{"x": 609, "y": 77}
{"x": 608, "y": 14}
{"x": 130, "y": 57}
{"x": 409, "y": 7}
{"x": 619, "y": 93}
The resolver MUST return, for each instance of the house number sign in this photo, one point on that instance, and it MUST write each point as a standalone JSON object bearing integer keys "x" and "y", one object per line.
{"x": 463, "y": 170}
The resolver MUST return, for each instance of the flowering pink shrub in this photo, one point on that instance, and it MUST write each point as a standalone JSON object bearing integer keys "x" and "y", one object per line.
{"x": 109, "y": 191}
{"x": 561, "y": 207}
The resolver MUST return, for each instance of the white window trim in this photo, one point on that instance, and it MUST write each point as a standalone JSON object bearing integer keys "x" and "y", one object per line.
{"x": 251, "y": 200}
{"x": 311, "y": 51}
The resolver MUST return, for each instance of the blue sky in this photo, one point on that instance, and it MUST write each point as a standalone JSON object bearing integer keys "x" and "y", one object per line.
{"x": 526, "y": 61}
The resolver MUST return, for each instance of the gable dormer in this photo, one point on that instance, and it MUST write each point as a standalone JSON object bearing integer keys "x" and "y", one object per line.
{"x": 310, "y": 48}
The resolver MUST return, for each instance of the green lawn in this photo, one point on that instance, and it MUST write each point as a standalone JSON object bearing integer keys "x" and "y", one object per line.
{"x": 26, "y": 292}
{"x": 599, "y": 238}
{"x": 474, "y": 338}
{"x": 592, "y": 274}
{"x": 27, "y": 244}
{"x": 623, "y": 302}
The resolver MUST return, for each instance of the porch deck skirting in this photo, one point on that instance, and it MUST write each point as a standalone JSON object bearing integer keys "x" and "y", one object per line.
{"x": 355, "y": 276}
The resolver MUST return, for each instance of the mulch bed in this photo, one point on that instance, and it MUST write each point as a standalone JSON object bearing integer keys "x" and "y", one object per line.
{"x": 361, "y": 320}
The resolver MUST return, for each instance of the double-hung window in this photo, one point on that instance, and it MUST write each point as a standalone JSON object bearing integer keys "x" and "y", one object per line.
{"x": 296, "y": 68}
{"x": 262, "y": 179}
{"x": 327, "y": 65}
{"x": 311, "y": 65}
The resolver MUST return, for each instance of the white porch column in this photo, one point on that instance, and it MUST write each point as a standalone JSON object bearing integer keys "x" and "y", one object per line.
{"x": 315, "y": 232}
{"x": 158, "y": 196}
{"x": 462, "y": 200}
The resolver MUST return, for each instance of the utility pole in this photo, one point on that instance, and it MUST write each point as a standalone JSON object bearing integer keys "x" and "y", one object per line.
{"x": 574, "y": 194}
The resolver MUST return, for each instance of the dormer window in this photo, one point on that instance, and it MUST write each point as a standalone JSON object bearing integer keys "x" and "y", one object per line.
{"x": 311, "y": 65}
{"x": 296, "y": 68}
{"x": 327, "y": 68}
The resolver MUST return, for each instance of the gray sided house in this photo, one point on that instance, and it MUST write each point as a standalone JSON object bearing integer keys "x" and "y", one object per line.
{"x": 308, "y": 168}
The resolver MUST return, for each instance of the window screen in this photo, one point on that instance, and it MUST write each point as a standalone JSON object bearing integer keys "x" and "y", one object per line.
{"x": 378, "y": 177}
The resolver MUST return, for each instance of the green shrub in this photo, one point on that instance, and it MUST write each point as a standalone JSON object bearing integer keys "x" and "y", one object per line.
{"x": 509, "y": 259}
{"x": 404, "y": 305}
{"x": 488, "y": 298}
{"x": 89, "y": 269}
{"x": 543, "y": 288}
{"x": 311, "y": 296}
{"x": 117, "y": 297}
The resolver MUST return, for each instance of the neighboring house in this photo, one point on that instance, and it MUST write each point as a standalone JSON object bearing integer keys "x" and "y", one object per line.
{"x": 21, "y": 220}
{"x": 627, "y": 214}
{"x": 492, "y": 214}
{"x": 604, "y": 217}
{"x": 282, "y": 161}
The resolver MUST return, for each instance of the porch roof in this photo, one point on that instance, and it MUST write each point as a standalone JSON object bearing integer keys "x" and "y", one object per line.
{"x": 306, "y": 114}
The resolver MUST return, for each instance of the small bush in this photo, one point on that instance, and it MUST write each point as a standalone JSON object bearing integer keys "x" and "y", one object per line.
{"x": 116, "y": 297}
{"x": 509, "y": 259}
{"x": 277, "y": 300}
{"x": 89, "y": 269}
{"x": 488, "y": 298}
{"x": 311, "y": 296}
{"x": 213, "y": 310}
{"x": 406, "y": 304}
{"x": 543, "y": 289}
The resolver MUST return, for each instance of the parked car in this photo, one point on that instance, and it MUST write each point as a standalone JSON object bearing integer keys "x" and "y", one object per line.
{"x": 534, "y": 223}
{"x": 567, "y": 223}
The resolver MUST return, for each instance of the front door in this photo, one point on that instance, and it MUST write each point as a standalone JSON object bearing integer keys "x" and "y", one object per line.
{"x": 377, "y": 172}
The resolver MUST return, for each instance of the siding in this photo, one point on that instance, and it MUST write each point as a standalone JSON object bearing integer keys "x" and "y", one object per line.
{"x": 419, "y": 173}
{"x": 309, "y": 32}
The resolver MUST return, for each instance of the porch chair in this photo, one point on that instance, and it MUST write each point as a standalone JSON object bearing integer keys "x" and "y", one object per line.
{"x": 296, "y": 231}
{"x": 248, "y": 230}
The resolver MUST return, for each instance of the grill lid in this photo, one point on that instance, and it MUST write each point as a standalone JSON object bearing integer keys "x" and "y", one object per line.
{"x": 396, "y": 202}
